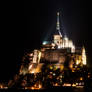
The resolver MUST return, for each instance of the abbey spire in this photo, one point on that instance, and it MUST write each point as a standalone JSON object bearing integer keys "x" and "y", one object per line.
{"x": 58, "y": 23}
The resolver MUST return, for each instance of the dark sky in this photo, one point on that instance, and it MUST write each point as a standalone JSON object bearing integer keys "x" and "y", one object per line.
{"x": 25, "y": 24}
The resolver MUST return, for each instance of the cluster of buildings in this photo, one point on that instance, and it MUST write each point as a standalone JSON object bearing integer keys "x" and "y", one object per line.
{"x": 53, "y": 62}
{"x": 55, "y": 50}
{"x": 56, "y": 63}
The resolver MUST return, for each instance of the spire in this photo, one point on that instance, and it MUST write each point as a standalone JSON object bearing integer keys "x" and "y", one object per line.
{"x": 58, "y": 23}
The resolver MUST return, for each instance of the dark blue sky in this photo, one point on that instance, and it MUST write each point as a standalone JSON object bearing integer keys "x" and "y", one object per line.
{"x": 25, "y": 24}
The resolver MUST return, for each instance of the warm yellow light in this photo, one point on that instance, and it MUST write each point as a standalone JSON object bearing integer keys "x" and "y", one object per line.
{"x": 73, "y": 69}
{"x": 1, "y": 86}
{"x": 39, "y": 57}
{"x": 62, "y": 67}
{"x": 78, "y": 62}
{"x": 30, "y": 67}
{"x": 76, "y": 83}
{"x": 88, "y": 76}
{"x": 32, "y": 88}
{"x": 83, "y": 56}
{"x": 73, "y": 85}
{"x": 51, "y": 67}
{"x": 40, "y": 86}
{"x": 81, "y": 78}
{"x": 56, "y": 84}
{"x": 67, "y": 84}
{"x": 32, "y": 71}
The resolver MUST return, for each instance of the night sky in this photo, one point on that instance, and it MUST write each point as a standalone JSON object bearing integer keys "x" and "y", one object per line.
{"x": 25, "y": 25}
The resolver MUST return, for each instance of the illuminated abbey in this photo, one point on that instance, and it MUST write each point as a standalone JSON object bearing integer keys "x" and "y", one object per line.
{"x": 57, "y": 63}
{"x": 57, "y": 52}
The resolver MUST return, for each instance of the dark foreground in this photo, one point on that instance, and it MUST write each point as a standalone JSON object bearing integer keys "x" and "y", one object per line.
{"x": 56, "y": 89}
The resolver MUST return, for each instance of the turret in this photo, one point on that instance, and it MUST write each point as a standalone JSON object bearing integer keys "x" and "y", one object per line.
{"x": 83, "y": 56}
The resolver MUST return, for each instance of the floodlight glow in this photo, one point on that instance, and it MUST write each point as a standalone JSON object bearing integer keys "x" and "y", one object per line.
{"x": 44, "y": 43}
